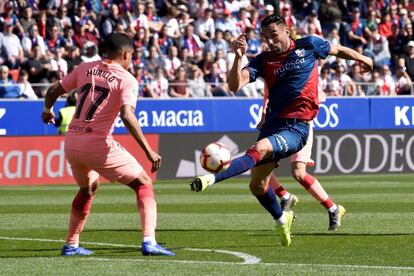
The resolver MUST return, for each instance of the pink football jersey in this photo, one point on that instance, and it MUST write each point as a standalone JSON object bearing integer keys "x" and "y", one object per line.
{"x": 102, "y": 88}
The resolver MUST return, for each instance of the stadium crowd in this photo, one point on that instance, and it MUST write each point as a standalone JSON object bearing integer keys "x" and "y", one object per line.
{"x": 184, "y": 48}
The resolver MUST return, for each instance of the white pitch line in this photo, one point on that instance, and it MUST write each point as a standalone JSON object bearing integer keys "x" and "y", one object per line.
{"x": 248, "y": 259}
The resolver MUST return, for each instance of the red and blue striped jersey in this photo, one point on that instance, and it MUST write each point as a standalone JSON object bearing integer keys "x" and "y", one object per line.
{"x": 292, "y": 78}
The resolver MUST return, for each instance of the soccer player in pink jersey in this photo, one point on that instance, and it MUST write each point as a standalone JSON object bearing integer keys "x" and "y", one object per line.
{"x": 299, "y": 161}
{"x": 105, "y": 88}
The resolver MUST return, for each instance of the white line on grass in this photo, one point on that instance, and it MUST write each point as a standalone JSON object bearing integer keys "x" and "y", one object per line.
{"x": 248, "y": 259}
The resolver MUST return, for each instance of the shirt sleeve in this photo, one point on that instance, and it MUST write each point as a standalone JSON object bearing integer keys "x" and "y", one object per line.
{"x": 255, "y": 67}
{"x": 321, "y": 47}
{"x": 69, "y": 81}
{"x": 129, "y": 92}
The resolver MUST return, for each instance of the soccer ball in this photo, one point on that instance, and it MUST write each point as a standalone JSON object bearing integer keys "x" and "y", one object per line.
{"x": 215, "y": 157}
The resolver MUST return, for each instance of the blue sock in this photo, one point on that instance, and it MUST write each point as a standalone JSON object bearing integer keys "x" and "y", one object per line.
{"x": 237, "y": 166}
{"x": 270, "y": 203}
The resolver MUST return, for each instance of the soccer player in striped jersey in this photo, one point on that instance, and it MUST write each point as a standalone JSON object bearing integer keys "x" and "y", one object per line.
{"x": 290, "y": 71}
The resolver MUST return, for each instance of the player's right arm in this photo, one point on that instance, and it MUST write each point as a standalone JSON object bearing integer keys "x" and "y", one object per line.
{"x": 131, "y": 123}
{"x": 57, "y": 89}
{"x": 237, "y": 77}
{"x": 54, "y": 92}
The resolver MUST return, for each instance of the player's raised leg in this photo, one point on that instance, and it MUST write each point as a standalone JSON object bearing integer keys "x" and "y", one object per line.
{"x": 265, "y": 195}
{"x": 312, "y": 185}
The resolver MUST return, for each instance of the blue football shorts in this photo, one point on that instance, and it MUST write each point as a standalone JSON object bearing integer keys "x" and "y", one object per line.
{"x": 287, "y": 136}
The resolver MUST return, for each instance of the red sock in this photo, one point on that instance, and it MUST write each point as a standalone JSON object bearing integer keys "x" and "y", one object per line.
{"x": 327, "y": 203}
{"x": 81, "y": 206}
{"x": 147, "y": 209}
{"x": 276, "y": 186}
{"x": 254, "y": 154}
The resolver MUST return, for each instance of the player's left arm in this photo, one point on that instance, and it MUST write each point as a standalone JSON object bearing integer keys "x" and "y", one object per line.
{"x": 348, "y": 53}
{"x": 128, "y": 117}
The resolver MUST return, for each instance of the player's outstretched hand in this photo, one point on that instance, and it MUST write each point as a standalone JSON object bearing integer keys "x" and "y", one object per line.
{"x": 240, "y": 45}
{"x": 155, "y": 159}
{"x": 48, "y": 118}
{"x": 368, "y": 65}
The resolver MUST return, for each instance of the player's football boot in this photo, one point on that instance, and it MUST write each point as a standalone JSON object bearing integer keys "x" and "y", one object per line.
{"x": 288, "y": 204}
{"x": 284, "y": 229}
{"x": 201, "y": 183}
{"x": 336, "y": 217}
{"x": 155, "y": 250}
{"x": 68, "y": 250}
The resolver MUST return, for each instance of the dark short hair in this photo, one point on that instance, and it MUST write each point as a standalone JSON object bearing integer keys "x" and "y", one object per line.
{"x": 118, "y": 42}
{"x": 273, "y": 18}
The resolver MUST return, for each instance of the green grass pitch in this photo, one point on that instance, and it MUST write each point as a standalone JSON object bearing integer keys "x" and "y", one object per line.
{"x": 222, "y": 231}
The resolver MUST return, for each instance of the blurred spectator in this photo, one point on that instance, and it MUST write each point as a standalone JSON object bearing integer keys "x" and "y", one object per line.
{"x": 311, "y": 19}
{"x": 12, "y": 46}
{"x": 111, "y": 21}
{"x": 55, "y": 39}
{"x": 171, "y": 62}
{"x": 89, "y": 52}
{"x": 60, "y": 65}
{"x": 170, "y": 21}
{"x": 353, "y": 33}
{"x": 26, "y": 89}
{"x": 153, "y": 19}
{"x": 37, "y": 67}
{"x": 226, "y": 23}
{"x": 329, "y": 14}
{"x": 377, "y": 48}
{"x": 159, "y": 85}
{"x": 64, "y": 20}
{"x": 27, "y": 20}
{"x": 197, "y": 85}
{"x": 220, "y": 59}
{"x": 184, "y": 20}
{"x": 72, "y": 57}
{"x": 375, "y": 89}
{"x": 205, "y": 26}
{"x": 357, "y": 76}
{"x": 243, "y": 22}
{"x": 179, "y": 86}
{"x": 206, "y": 63}
{"x": 139, "y": 20}
{"x": 407, "y": 60}
{"x": 386, "y": 82}
{"x": 8, "y": 87}
{"x": 141, "y": 40}
{"x": 143, "y": 79}
{"x": 269, "y": 9}
{"x": 153, "y": 60}
{"x": 216, "y": 43}
{"x": 385, "y": 26}
{"x": 215, "y": 82}
{"x": 162, "y": 41}
{"x": 403, "y": 85}
{"x": 288, "y": 15}
{"x": 33, "y": 39}
{"x": 82, "y": 35}
{"x": 253, "y": 44}
{"x": 395, "y": 44}
{"x": 346, "y": 85}
{"x": 65, "y": 114}
{"x": 189, "y": 40}
{"x": 324, "y": 77}
{"x": 9, "y": 16}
